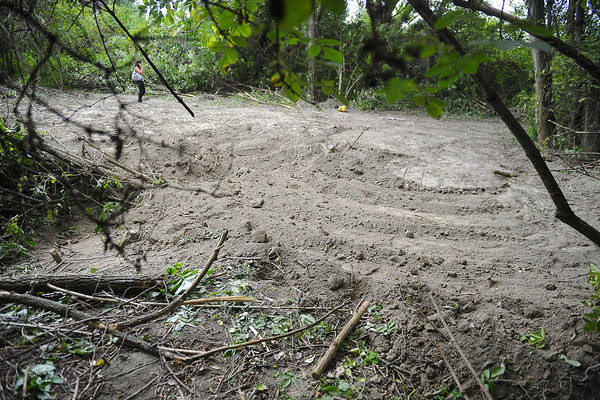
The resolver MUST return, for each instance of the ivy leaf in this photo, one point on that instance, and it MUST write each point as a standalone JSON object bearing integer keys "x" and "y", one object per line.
{"x": 335, "y": 6}
{"x": 314, "y": 50}
{"x": 447, "y": 19}
{"x": 333, "y": 55}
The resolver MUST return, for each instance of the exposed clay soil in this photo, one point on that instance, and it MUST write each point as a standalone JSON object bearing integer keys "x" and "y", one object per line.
{"x": 317, "y": 217}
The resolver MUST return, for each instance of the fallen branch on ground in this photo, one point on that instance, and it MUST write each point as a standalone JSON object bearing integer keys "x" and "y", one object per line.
{"x": 86, "y": 283}
{"x": 486, "y": 394}
{"x": 175, "y": 303}
{"x": 339, "y": 339}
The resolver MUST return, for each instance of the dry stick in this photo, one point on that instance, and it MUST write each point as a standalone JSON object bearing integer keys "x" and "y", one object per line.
{"x": 76, "y": 391}
{"x": 456, "y": 380}
{"x": 455, "y": 343}
{"x": 233, "y": 299}
{"x": 356, "y": 140}
{"x": 565, "y": 48}
{"x": 63, "y": 309}
{"x": 175, "y": 375}
{"x": 573, "y": 130}
{"x": 134, "y": 395}
{"x": 111, "y": 160}
{"x": 174, "y": 304}
{"x": 81, "y": 295}
{"x": 337, "y": 342}
{"x": 261, "y": 340}
{"x": 516, "y": 383}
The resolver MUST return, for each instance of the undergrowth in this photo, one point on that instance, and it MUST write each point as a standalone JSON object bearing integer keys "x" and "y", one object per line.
{"x": 37, "y": 190}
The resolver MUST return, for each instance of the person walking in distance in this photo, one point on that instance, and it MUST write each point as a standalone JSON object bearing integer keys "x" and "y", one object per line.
{"x": 138, "y": 78}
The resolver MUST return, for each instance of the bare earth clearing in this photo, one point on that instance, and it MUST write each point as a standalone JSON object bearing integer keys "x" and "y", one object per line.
{"x": 315, "y": 219}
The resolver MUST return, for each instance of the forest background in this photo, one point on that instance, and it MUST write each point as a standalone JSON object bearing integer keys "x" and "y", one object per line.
{"x": 332, "y": 49}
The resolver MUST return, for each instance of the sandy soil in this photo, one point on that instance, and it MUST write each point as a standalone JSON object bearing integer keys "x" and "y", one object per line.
{"x": 324, "y": 207}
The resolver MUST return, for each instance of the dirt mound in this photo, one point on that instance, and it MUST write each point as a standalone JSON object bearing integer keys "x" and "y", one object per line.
{"x": 324, "y": 207}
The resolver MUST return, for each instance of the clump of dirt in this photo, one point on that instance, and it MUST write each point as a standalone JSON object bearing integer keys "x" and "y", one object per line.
{"x": 324, "y": 208}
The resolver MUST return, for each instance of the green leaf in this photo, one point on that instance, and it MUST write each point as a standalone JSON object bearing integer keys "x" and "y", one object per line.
{"x": 434, "y": 108}
{"x": 328, "y": 42}
{"x": 574, "y": 363}
{"x": 230, "y": 55}
{"x": 335, "y": 6}
{"x": 332, "y": 390}
{"x": 240, "y": 41}
{"x": 333, "y": 55}
{"x": 472, "y": 62}
{"x": 497, "y": 371}
{"x": 295, "y": 12}
{"x": 293, "y": 91}
{"x": 261, "y": 387}
{"x": 314, "y": 50}
{"x": 340, "y": 97}
{"x": 534, "y": 29}
{"x": 410, "y": 85}
{"x": 447, "y": 19}
{"x": 427, "y": 50}
{"x": 394, "y": 95}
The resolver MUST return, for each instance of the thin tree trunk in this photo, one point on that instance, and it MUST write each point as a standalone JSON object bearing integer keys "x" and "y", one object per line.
{"x": 542, "y": 63}
{"x": 312, "y": 34}
{"x": 591, "y": 140}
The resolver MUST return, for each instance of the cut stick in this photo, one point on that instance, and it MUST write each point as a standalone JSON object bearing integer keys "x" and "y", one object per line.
{"x": 337, "y": 342}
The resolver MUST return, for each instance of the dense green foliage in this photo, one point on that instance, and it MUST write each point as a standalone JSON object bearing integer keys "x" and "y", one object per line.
{"x": 383, "y": 56}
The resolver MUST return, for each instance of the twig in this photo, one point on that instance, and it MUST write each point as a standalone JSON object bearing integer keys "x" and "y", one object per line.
{"x": 141, "y": 389}
{"x": 573, "y": 130}
{"x": 81, "y": 295}
{"x": 261, "y": 340}
{"x": 233, "y": 299}
{"x": 337, "y": 342}
{"x": 454, "y": 376}
{"x": 111, "y": 160}
{"x": 175, "y": 375}
{"x": 76, "y": 390}
{"x": 174, "y": 303}
{"x": 356, "y": 140}
{"x": 516, "y": 383}
{"x": 224, "y": 394}
{"x": 63, "y": 309}
{"x": 455, "y": 343}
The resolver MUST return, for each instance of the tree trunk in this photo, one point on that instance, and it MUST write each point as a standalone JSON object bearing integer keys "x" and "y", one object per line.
{"x": 575, "y": 25}
{"x": 312, "y": 34}
{"x": 86, "y": 284}
{"x": 591, "y": 140}
{"x": 542, "y": 62}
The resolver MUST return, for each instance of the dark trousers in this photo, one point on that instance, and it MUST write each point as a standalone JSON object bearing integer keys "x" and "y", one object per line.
{"x": 141, "y": 89}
